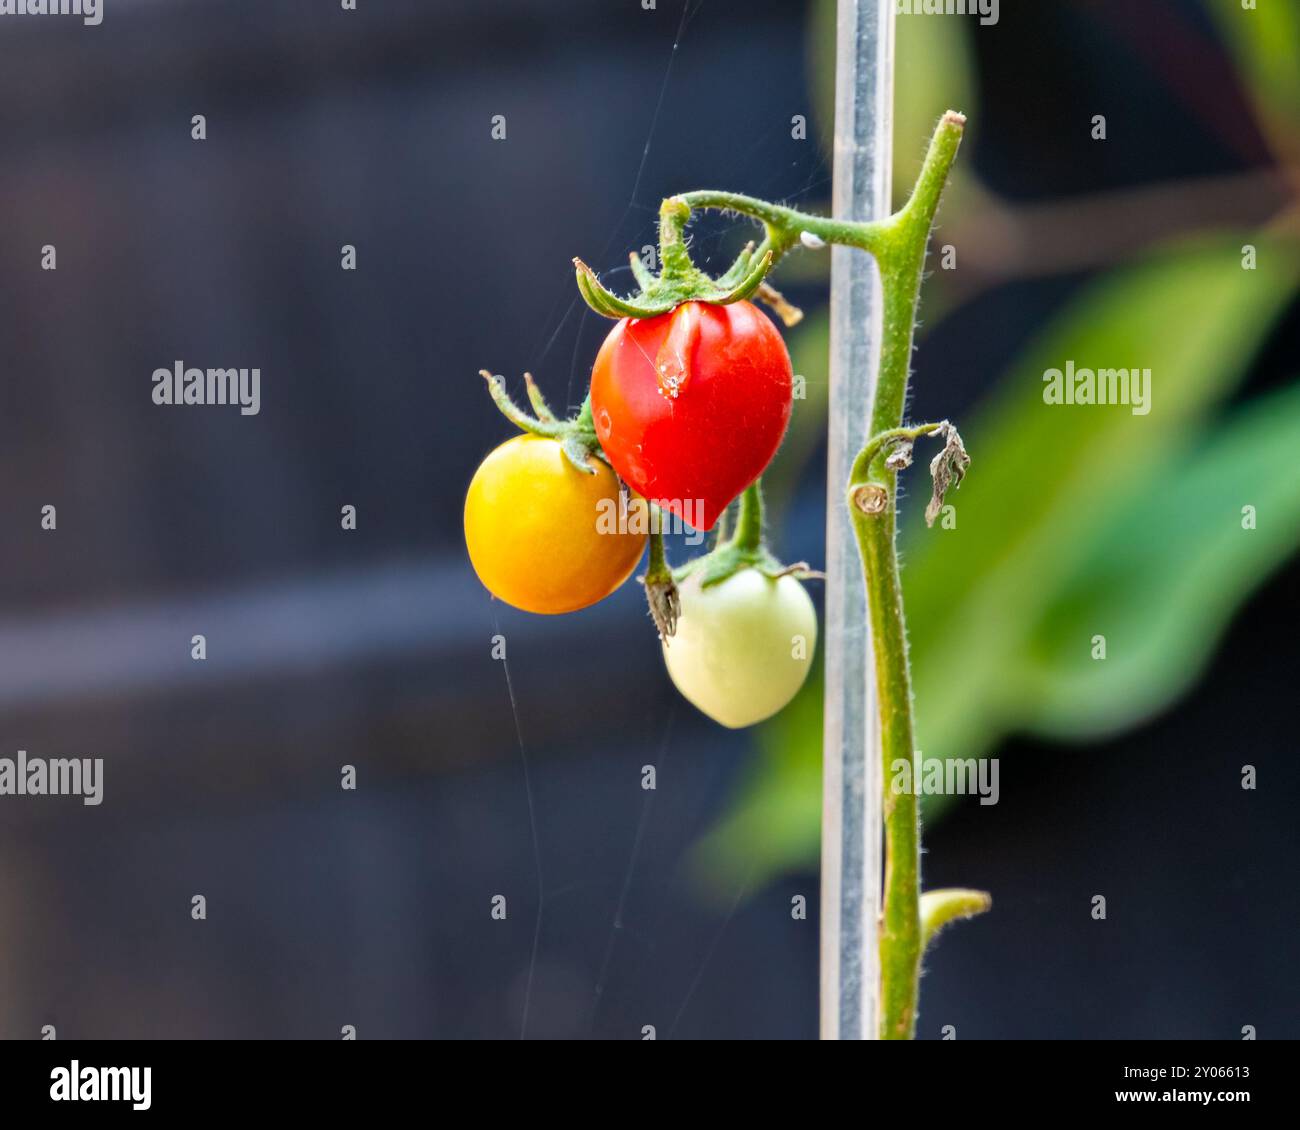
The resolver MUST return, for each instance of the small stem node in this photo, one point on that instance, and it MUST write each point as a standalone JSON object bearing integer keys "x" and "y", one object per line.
{"x": 869, "y": 498}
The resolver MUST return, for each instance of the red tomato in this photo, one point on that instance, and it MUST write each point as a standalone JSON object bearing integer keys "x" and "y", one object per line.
{"x": 691, "y": 406}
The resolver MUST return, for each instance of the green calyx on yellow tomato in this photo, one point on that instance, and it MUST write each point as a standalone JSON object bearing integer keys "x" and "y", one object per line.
{"x": 576, "y": 437}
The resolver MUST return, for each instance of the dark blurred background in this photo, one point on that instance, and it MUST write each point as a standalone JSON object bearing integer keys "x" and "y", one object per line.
{"x": 372, "y": 647}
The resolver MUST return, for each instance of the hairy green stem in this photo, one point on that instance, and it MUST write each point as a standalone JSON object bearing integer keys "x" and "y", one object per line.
{"x": 874, "y": 525}
{"x": 660, "y": 588}
{"x": 873, "y": 498}
{"x": 657, "y": 567}
{"x": 749, "y": 525}
{"x": 898, "y": 245}
{"x": 672, "y": 247}
{"x": 785, "y": 226}
{"x": 883, "y": 442}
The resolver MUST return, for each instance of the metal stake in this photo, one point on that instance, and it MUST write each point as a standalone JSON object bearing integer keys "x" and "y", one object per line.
{"x": 851, "y": 804}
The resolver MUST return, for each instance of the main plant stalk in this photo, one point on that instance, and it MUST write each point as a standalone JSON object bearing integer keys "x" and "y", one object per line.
{"x": 871, "y": 959}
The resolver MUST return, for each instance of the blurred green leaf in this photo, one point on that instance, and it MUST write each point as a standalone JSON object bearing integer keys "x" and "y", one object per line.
{"x": 1265, "y": 43}
{"x": 1047, "y": 478}
{"x": 1164, "y": 577}
{"x": 1049, "y": 488}
{"x": 774, "y": 823}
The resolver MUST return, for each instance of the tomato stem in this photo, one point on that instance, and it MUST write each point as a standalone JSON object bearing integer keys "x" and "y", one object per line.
{"x": 674, "y": 259}
{"x": 898, "y": 245}
{"x": 749, "y": 525}
{"x": 899, "y": 938}
{"x": 784, "y": 227}
{"x": 887, "y": 441}
{"x": 660, "y": 587}
{"x": 873, "y": 506}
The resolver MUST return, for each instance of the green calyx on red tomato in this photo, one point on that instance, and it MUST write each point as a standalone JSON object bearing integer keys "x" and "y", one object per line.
{"x": 679, "y": 280}
{"x": 691, "y": 392}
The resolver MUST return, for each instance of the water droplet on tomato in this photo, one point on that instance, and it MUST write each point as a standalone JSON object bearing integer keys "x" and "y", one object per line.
{"x": 672, "y": 364}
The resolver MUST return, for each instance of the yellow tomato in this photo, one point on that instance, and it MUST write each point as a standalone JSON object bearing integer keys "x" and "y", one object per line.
{"x": 545, "y": 537}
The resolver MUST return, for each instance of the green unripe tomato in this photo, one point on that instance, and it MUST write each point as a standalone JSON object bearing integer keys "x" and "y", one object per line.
{"x": 743, "y": 647}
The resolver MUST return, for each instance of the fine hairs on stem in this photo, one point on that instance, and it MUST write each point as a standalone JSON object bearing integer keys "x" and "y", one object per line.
{"x": 908, "y": 919}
